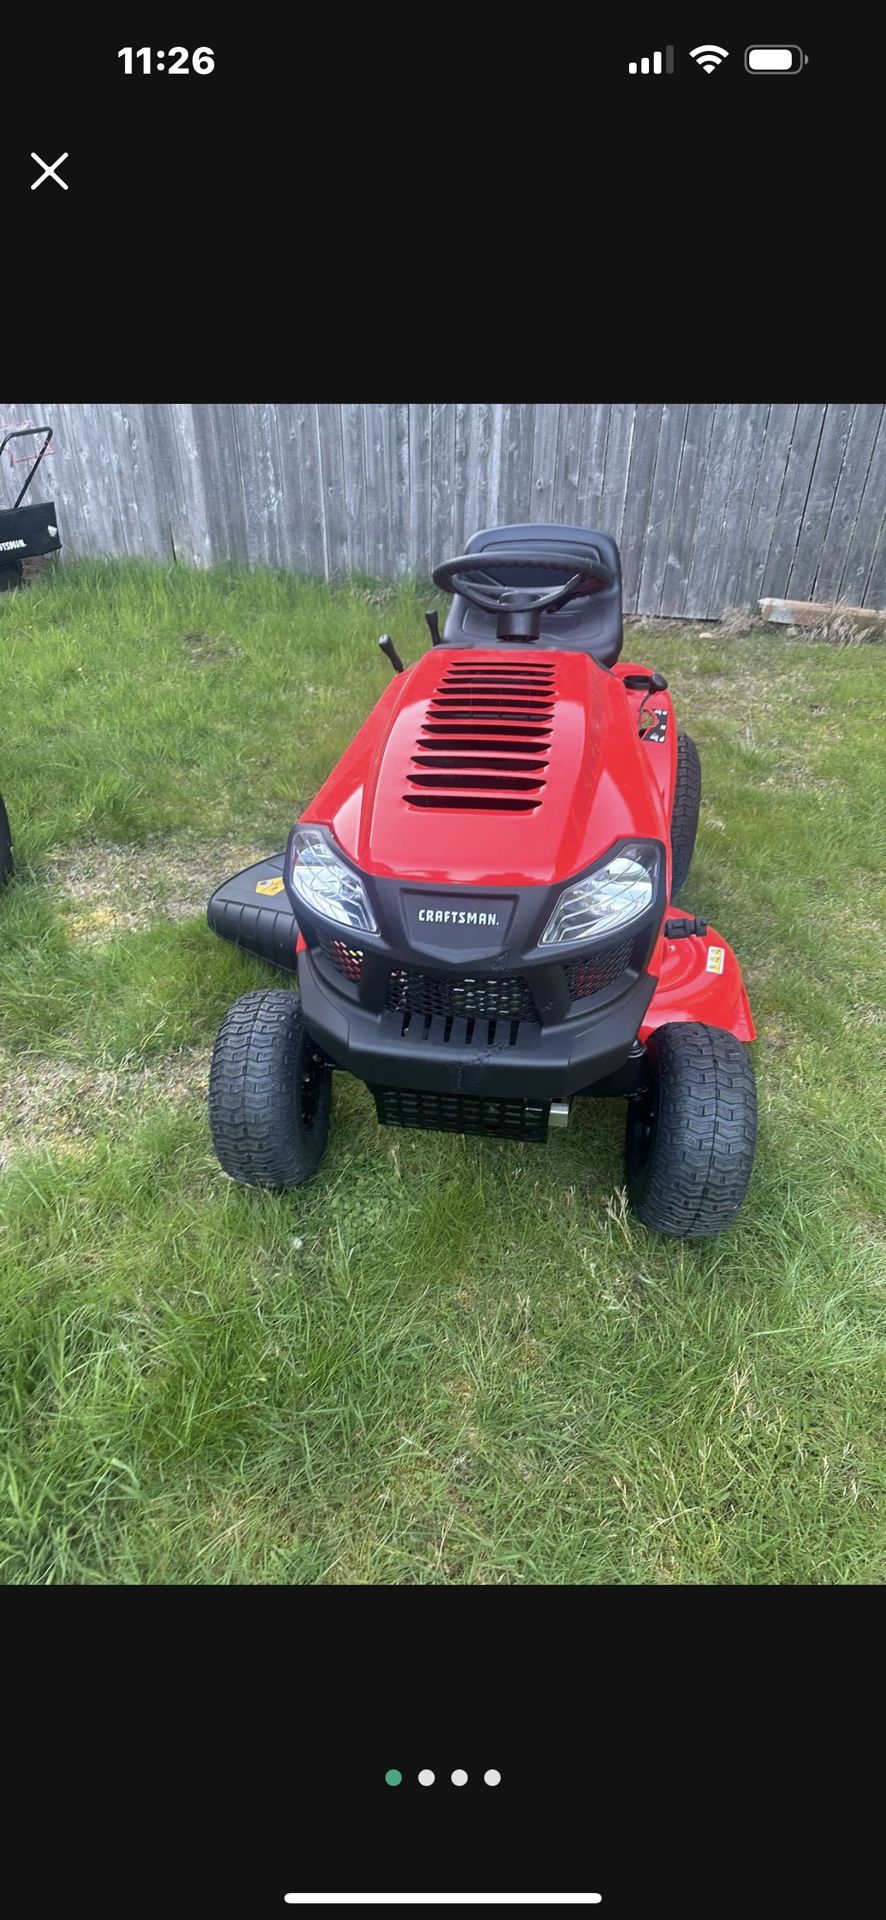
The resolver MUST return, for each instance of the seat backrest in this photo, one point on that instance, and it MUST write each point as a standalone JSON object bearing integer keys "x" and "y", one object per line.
{"x": 591, "y": 624}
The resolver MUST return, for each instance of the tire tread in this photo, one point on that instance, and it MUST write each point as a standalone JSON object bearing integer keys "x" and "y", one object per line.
{"x": 256, "y": 1126}
{"x": 704, "y": 1150}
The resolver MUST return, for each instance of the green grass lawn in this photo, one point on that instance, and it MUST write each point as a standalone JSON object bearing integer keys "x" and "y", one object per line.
{"x": 444, "y": 1360}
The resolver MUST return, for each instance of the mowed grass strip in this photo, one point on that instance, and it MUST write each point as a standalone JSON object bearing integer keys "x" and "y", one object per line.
{"x": 444, "y": 1360}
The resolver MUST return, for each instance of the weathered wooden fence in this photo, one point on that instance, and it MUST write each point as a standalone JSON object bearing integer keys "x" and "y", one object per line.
{"x": 713, "y": 504}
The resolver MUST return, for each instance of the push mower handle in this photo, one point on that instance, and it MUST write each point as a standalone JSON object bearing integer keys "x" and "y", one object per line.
{"x": 24, "y": 433}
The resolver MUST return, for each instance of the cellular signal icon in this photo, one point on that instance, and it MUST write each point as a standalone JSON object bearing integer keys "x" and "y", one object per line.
{"x": 643, "y": 66}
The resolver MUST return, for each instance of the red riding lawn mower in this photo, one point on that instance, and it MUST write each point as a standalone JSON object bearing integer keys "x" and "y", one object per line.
{"x": 479, "y": 906}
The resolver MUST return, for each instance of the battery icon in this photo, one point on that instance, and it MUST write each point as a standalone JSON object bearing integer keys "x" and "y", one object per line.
{"x": 775, "y": 59}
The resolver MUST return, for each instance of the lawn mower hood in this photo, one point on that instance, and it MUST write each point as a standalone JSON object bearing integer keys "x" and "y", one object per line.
{"x": 544, "y": 743}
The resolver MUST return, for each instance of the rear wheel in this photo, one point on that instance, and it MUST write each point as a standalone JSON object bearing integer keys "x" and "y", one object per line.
{"x": 689, "y": 1145}
{"x": 684, "y": 820}
{"x": 269, "y": 1092}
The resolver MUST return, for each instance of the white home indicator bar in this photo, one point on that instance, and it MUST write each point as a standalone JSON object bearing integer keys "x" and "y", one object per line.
{"x": 443, "y": 1899}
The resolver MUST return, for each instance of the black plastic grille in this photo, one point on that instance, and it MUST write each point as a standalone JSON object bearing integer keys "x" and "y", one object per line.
{"x": 486, "y": 738}
{"x": 461, "y": 1113}
{"x": 597, "y": 970}
{"x": 467, "y": 996}
{"x": 346, "y": 960}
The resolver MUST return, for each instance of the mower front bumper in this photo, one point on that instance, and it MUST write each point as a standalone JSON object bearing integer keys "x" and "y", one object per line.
{"x": 541, "y": 1064}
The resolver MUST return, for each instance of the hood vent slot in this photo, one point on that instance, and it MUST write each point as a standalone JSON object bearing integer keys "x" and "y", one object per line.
{"x": 485, "y": 739}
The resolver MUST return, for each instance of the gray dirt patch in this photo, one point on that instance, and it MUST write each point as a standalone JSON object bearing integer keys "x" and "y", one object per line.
{"x": 109, "y": 890}
{"x": 58, "y": 1107}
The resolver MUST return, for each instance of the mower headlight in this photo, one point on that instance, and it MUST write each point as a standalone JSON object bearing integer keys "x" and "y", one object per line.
{"x": 326, "y": 885}
{"x": 617, "y": 892}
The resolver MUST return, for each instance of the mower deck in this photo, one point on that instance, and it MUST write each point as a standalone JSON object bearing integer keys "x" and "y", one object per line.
{"x": 252, "y": 910}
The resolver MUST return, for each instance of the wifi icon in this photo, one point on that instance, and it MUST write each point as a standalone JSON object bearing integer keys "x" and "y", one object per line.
{"x": 709, "y": 57}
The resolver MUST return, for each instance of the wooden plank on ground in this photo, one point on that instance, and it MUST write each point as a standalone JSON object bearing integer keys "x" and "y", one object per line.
{"x": 807, "y": 613}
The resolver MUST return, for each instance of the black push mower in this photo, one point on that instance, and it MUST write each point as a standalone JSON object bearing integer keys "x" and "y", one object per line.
{"x": 479, "y": 905}
{"x": 26, "y": 532}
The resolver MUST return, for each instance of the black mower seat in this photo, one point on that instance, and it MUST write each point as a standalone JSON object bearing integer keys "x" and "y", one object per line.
{"x": 591, "y": 624}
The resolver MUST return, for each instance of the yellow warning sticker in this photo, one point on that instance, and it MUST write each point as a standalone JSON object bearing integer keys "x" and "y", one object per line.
{"x": 715, "y": 959}
{"x": 270, "y": 886}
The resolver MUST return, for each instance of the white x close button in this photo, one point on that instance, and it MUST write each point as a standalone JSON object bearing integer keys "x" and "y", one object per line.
{"x": 49, "y": 172}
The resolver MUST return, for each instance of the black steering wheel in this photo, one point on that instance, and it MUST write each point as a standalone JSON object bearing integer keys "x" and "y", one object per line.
{"x": 473, "y": 575}
{"x": 519, "y": 609}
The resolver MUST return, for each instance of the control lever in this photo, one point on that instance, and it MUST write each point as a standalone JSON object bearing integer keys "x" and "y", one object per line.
{"x": 388, "y": 648}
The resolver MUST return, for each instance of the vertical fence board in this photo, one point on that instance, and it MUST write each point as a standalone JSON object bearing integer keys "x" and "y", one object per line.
{"x": 420, "y": 560}
{"x": 712, "y": 510}
{"x": 259, "y": 462}
{"x": 544, "y": 460}
{"x": 460, "y": 476}
{"x": 618, "y": 461}
{"x": 291, "y": 512}
{"x": 847, "y": 501}
{"x": 443, "y": 479}
{"x": 863, "y": 544}
{"x": 687, "y": 500}
{"x": 517, "y": 461}
{"x": 478, "y": 498}
{"x": 149, "y": 526}
{"x": 732, "y": 545}
{"x": 378, "y": 482}
{"x": 874, "y": 592}
{"x": 774, "y": 457}
{"x": 641, "y": 473}
{"x": 824, "y": 480}
{"x": 181, "y": 503}
{"x": 216, "y": 439}
{"x": 355, "y": 483}
{"x": 312, "y": 529}
{"x": 657, "y": 544}
{"x": 568, "y": 470}
{"x": 330, "y": 456}
{"x": 794, "y": 494}
{"x": 594, "y": 438}
{"x": 399, "y": 534}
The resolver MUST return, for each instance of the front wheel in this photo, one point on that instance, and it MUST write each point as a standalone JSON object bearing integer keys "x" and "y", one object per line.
{"x": 269, "y": 1092}
{"x": 689, "y": 1145}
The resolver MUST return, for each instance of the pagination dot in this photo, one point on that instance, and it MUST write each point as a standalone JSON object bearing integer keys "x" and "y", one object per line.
{"x": 426, "y": 1778}
{"x": 393, "y": 1777}
{"x": 492, "y": 1777}
{"x": 459, "y": 1778}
